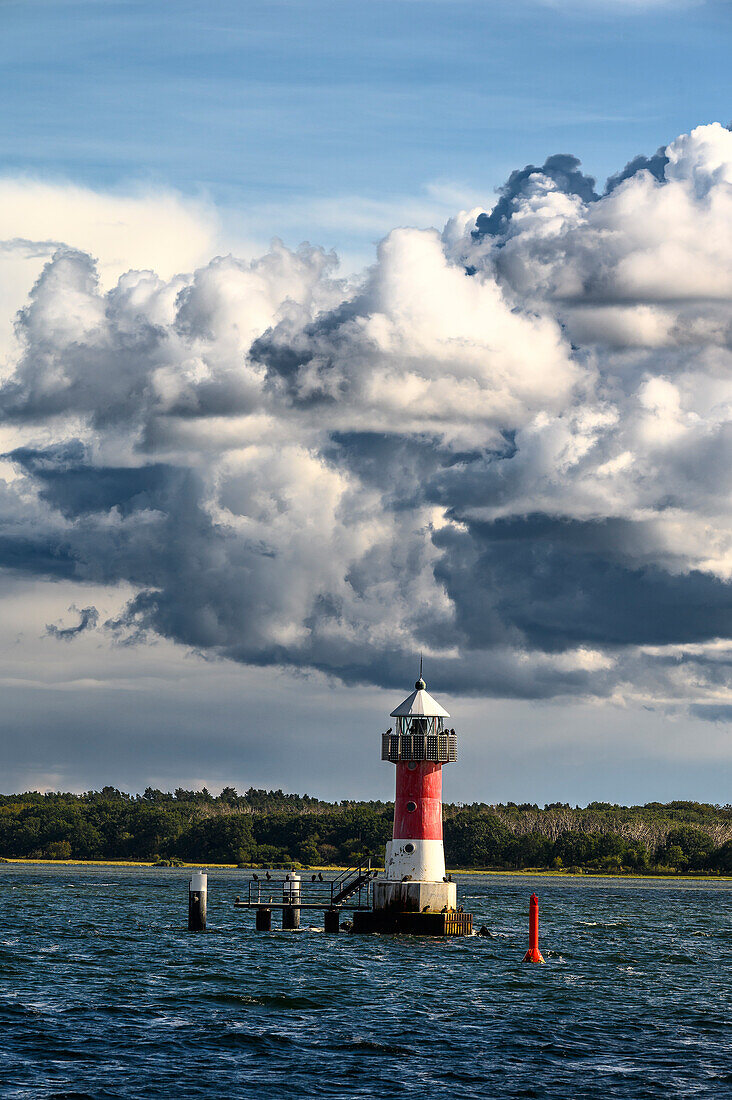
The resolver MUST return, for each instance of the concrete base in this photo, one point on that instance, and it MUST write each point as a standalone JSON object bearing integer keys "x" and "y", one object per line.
{"x": 391, "y": 922}
{"x": 413, "y": 897}
{"x": 414, "y": 908}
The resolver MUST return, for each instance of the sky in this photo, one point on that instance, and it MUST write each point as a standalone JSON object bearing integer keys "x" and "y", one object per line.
{"x": 336, "y": 333}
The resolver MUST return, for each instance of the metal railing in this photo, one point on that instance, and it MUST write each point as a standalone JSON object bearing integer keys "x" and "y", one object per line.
{"x": 350, "y": 889}
{"x": 439, "y": 748}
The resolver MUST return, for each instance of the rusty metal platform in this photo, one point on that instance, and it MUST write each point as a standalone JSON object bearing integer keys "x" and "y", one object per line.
{"x": 389, "y": 922}
{"x": 322, "y": 906}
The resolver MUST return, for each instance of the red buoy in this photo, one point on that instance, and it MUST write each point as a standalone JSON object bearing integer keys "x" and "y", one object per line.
{"x": 533, "y": 955}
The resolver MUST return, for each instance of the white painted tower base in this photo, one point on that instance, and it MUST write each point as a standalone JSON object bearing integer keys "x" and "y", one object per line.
{"x": 413, "y": 879}
{"x": 417, "y": 859}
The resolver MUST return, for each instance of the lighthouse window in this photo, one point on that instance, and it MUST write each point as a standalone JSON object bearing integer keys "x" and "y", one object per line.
{"x": 411, "y": 807}
{"x": 409, "y": 848}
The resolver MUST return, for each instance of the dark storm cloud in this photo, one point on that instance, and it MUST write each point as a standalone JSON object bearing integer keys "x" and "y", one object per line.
{"x": 403, "y": 468}
{"x": 290, "y": 469}
{"x": 711, "y": 712}
{"x": 88, "y": 619}
{"x": 77, "y": 488}
{"x": 291, "y": 352}
{"x": 656, "y": 165}
{"x": 42, "y": 556}
{"x": 559, "y": 583}
{"x": 564, "y": 172}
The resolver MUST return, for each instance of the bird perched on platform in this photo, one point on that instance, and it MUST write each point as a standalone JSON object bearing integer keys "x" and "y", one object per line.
{"x": 313, "y": 878}
{"x": 267, "y": 876}
{"x": 320, "y": 876}
{"x": 256, "y": 878}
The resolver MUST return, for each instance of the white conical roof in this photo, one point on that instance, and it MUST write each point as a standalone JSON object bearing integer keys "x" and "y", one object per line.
{"x": 419, "y": 704}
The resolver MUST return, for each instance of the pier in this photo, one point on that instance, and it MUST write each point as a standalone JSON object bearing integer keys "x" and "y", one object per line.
{"x": 348, "y": 892}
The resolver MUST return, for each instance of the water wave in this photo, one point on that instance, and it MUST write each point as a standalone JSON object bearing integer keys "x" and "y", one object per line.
{"x": 104, "y": 993}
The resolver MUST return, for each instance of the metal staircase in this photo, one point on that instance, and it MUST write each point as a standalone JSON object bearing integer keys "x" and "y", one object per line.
{"x": 350, "y": 890}
{"x": 350, "y": 881}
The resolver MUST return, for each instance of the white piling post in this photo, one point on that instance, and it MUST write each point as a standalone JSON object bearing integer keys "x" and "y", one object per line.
{"x": 291, "y": 892}
{"x": 197, "y": 896}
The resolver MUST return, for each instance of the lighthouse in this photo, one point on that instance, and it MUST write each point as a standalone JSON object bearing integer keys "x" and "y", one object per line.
{"x": 414, "y": 894}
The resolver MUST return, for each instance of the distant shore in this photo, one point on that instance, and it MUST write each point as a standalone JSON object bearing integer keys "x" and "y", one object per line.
{"x": 525, "y": 872}
{"x": 261, "y": 829}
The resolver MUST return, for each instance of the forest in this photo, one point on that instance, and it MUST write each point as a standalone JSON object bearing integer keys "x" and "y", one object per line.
{"x": 274, "y": 829}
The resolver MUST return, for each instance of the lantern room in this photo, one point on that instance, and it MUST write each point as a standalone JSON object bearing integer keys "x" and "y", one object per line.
{"x": 419, "y": 731}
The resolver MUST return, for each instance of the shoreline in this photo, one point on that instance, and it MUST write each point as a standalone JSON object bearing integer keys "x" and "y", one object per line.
{"x": 524, "y": 872}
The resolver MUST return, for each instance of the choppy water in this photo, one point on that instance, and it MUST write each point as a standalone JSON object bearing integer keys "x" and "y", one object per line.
{"x": 104, "y": 994}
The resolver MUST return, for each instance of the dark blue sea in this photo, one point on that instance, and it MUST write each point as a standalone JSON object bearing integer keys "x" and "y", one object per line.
{"x": 103, "y": 993}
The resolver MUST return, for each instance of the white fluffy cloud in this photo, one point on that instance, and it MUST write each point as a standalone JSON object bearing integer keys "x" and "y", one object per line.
{"x": 152, "y": 229}
{"x": 506, "y": 444}
{"x": 157, "y": 230}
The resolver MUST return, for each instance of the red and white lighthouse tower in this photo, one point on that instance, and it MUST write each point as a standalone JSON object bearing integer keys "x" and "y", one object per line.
{"x": 419, "y": 748}
{"x": 414, "y": 894}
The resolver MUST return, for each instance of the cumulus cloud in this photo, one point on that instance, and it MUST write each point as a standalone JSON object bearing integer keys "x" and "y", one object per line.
{"x": 142, "y": 229}
{"x": 505, "y": 444}
{"x": 157, "y": 229}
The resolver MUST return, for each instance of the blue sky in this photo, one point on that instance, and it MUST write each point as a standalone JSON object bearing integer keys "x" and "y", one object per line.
{"x": 239, "y": 495}
{"x": 288, "y": 113}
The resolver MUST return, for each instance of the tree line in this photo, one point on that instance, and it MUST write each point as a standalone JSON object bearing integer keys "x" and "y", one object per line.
{"x": 273, "y": 828}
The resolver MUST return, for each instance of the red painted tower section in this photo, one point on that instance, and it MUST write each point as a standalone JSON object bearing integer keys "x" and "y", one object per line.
{"x": 418, "y": 804}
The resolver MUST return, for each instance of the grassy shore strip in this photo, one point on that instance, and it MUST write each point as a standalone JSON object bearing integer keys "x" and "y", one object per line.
{"x": 526, "y": 872}
{"x": 542, "y": 872}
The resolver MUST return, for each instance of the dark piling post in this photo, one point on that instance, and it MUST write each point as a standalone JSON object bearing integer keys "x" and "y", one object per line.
{"x": 263, "y": 919}
{"x": 197, "y": 896}
{"x": 291, "y": 892}
{"x": 332, "y": 920}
